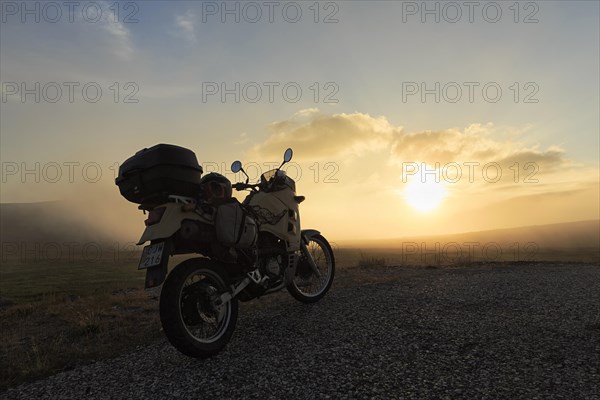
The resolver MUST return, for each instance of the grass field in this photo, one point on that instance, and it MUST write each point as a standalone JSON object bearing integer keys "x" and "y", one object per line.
{"x": 58, "y": 314}
{"x": 22, "y": 283}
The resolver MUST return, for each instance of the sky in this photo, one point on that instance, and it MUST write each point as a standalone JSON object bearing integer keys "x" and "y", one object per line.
{"x": 406, "y": 118}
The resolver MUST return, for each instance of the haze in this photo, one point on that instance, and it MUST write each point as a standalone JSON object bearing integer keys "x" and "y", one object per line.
{"x": 399, "y": 128}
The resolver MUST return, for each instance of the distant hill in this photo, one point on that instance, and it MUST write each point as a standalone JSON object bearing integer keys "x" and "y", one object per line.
{"x": 570, "y": 241}
{"x": 560, "y": 236}
{"x": 579, "y": 234}
{"x": 45, "y": 222}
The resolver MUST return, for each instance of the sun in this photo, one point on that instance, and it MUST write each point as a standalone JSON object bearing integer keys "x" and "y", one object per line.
{"x": 425, "y": 195}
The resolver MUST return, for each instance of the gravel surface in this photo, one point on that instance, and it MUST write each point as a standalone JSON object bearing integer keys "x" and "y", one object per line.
{"x": 486, "y": 331}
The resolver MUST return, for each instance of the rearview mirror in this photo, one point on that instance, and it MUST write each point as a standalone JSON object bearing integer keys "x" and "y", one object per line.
{"x": 236, "y": 166}
{"x": 287, "y": 156}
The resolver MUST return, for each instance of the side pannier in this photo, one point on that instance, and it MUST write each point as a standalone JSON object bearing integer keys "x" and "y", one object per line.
{"x": 234, "y": 226}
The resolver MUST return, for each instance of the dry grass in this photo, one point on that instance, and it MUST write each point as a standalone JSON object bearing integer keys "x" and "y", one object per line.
{"x": 57, "y": 333}
{"x": 58, "y": 314}
{"x": 369, "y": 261}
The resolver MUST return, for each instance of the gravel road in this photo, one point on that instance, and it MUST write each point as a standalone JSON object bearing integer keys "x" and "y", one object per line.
{"x": 486, "y": 331}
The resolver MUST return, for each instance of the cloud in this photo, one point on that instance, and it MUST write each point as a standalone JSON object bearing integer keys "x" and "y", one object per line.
{"x": 317, "y": 136}
{"x": 121, "y": 38}
{"x": 549, "y": 159}
{"x": 492, "y": 162}
{"x": 483, "y": 159}
{"x": 242, "y": 139}
{"x": 476, "y": 143}
{"x": 306, "y": 112}
{"x": 185, "y": 26}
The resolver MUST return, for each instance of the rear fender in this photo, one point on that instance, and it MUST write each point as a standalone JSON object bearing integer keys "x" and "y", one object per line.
{"x": 169, "y": 223}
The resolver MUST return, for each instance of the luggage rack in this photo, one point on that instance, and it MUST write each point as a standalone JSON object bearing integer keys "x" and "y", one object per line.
{"x": 182, "y": 199}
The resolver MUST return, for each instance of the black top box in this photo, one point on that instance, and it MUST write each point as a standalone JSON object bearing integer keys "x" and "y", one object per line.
{"x": 153, "y": 174}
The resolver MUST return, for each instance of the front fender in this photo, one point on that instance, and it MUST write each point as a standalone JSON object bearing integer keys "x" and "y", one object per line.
{"x": 169, "y": 223}
{"x": 308, "y": 233}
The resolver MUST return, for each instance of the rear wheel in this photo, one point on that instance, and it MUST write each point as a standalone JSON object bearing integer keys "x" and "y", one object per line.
{"x": 190, "y": 319}
{"x": 307, "y": 286}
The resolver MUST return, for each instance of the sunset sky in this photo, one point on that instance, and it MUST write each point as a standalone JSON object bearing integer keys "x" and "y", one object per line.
{"x": 362, "y": 129}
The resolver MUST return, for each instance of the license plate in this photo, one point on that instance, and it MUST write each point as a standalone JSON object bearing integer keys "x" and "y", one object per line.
{"x": 151, "y": 255}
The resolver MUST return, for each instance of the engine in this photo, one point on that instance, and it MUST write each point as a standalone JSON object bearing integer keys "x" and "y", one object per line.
{"x": 271, "y": 265}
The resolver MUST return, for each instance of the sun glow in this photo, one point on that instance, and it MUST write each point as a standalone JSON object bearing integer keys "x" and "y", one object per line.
{"x": 424, "y": 195}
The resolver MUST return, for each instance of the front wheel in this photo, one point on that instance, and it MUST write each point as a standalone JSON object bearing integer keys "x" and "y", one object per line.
{"x": 190, "y": 319}
{"x": 308, "y": 286}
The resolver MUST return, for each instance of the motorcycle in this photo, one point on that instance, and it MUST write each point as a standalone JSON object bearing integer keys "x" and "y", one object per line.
{"x": 248, "y": 249}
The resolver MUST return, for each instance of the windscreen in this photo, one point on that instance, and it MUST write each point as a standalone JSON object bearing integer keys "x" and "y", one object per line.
{"x": 269, "y": 174}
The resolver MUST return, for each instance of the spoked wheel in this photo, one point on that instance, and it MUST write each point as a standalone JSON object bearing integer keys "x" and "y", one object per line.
{"x": 191, "y": 320}
{"x": 308, "y": 286}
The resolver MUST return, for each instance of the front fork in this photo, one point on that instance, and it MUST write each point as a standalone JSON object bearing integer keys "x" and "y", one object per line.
{"x": 305, "y": 239}
{"x": 311, "y": 261}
